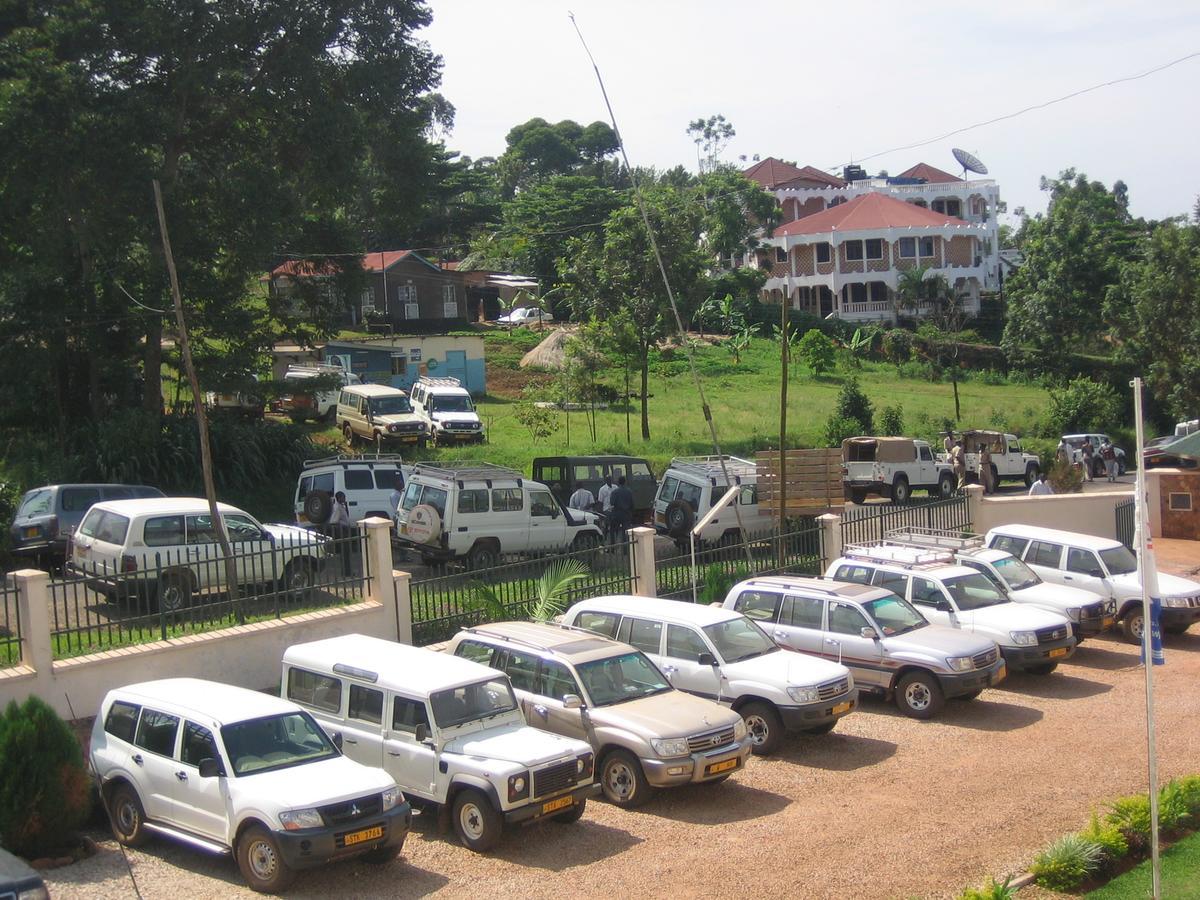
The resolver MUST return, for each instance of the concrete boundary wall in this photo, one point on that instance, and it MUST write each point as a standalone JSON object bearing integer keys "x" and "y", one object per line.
{"x": 1093, "y": 513}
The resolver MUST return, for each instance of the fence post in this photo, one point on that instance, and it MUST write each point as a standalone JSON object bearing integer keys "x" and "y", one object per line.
{"x": 831, "y": 538}
{"x": 402, "y": 596}
{"x": 974, "y": 494}
{"x": 643, "y": 575}
{"x": 379, "y": 557}
{"x": 33, "y": 606}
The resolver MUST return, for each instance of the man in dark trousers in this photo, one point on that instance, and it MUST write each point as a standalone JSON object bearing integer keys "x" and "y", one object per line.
{"x": 622, "y": 510}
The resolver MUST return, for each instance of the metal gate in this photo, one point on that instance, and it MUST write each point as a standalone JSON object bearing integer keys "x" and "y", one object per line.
{"x": 1126, "y": 517}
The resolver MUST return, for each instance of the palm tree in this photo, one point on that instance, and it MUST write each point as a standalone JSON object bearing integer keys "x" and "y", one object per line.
{"x": 549, "y": 594}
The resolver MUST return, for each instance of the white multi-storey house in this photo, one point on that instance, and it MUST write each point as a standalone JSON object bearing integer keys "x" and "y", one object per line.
{"x": 845, "y": 242}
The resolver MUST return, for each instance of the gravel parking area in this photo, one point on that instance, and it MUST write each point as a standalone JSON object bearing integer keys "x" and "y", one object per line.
{"x": 883, "y": 807}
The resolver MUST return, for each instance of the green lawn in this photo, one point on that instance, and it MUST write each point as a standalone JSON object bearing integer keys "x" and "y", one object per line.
{"x": 1180, "y": 875}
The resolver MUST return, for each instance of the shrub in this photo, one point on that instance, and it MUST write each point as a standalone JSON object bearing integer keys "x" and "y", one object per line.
{"x": 838, "y": 428}
{"x": 852, "y": 403}
{"x": 897, "y": 345}
{"x": 1083, "y": 405}
{"x": 1065, "y": 864}
{"x": 1065, "y": 478}
{"x": 715, "y": 582}
{"x": 1189, "y": 788}
{"x": 993, "y": 890}
{"x": 1173, "y": 810}
{"x": 891, "y": 421}
{"x": 1108, "y": 837}
{"x": 1132, "y": 816}
{"x": 44, "y": 790}
{"x": 817, "y": 351}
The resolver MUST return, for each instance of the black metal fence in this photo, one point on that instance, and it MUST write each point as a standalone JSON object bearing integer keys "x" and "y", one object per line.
{"x": 455, "y": 596}
{"x": 186, "y": 590}
{"x": 1125, "y": 512}
{"x": 794, "y": 552}
{"x": 868, "y": 524}
{"x": 10, "y": 623}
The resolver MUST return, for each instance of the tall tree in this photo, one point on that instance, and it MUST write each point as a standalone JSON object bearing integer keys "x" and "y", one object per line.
{"x": 711, "y": 136}
{"x": 537, "y": 150}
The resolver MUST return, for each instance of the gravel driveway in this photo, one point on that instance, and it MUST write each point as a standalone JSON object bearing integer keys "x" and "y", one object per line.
{"x": 882, "y": 807}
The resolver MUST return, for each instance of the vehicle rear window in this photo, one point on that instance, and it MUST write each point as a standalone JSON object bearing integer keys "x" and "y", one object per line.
{"x": 385, "y": 479}
{"x": 1043, "y": 553}
{"x": 758, "y": 605}
{"x": 669, "y": 486}
{"x": 474, "y": 651}
{"x": 102, "y": 525}
{"x": 118, "y": 493}
{"x": 315, "y": 690}
{"x": 507, "y": 499}
{"x": 858, "y": 574}
{"x": 122, "y": 720}
{"x": 359, "y": 480}
{"x": 1014, "y": 545}
{"x": 163, "y": 531}
{"x": 366, "y": 704}
{"x": 640, "y": 470}
{"x": 644, "y": 634}
{"x": 473, "y": 500}
{"x": 78, "y": 499}
{"x": 601, "y": 623}
{"x": 36, "y": 503}
{"x": 802, "y": 612}
{"x": 156, "y": 732}
{"x": 548, "y": 473}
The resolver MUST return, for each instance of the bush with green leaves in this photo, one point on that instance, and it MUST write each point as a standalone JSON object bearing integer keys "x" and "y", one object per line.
{"x": 1066, "y": 863}
{"x": 838, "y": 428}
{"x": 45, "y": 794}
{"x": 897, "y": 345}
{"x": 891, "y": 421}
{"x": 1189, "y": 789}
{"x": 1082, "y": 405}
{"x": 817, "y": 352}
{"x": 1173, "y": 809}
{"x": 1108, "y": 837}
{"x": 852, "y": 403}
{"x": 1132, "y": 816}
{"x": 993, "y": 890}
{"x": 1064, "y": 477}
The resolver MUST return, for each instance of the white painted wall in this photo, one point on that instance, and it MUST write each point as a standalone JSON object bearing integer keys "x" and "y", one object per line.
{"x": 1092, "y": 513}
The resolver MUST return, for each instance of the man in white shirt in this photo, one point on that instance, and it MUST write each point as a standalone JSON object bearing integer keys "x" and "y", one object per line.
{"x": 604, "y": 495}
{"x": 396, "y": 495}
{"x": 1041, "y": 487}
{"x": 581, "y": 499}
{"x": 341, "y": 526}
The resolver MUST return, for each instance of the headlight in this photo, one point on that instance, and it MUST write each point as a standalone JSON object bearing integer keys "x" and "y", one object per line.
{"x": 1176, "y": 602}
{"x": 583, "y": 765}
{"x": 1074, "y": 612}
{"x": 518, "y": 786}
{"x": 393, "y": 427}
{"x": 961, "y": 663}
{"x": 803, "y": 694}
{"x": 671, "y": 747}
{"x": 295, "y": 819}
{"x": 739, "y": 729}
{"x": 391, "y": 797}
{"x": 1023, "y": 638}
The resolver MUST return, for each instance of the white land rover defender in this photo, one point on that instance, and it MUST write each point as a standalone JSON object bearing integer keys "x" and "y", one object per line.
{"x": 1009, "y": 461}
{"x": 892, "y": 467}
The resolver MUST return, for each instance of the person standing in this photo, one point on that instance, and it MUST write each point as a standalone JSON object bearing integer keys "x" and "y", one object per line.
{"x": 948, "y": 443}
{"x": 396, "y": 495}
{"x": 1089, "y": 454}
{"x": 340, "y": 525}
{"x": 1041, "y": 487}
{"x": 958, "y": 464}
{"x": 604, "y": 495}
{"x": 621, "y": 499}
{"x": 1108, "y": 453}
{"x": 985, "y": 470}
{"x": 582, "y": 499}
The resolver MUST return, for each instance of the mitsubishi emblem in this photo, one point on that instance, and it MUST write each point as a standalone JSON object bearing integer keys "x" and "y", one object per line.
{"x": 355, "y": 812}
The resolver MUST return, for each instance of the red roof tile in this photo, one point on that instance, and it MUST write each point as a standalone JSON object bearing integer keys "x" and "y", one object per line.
{"x": 868, "y": 212}
{"x": 771, "y": 171}
{"x": 929, "y": 173}
{"x": 811, "y": 173}
{"x": 372, "y": 262}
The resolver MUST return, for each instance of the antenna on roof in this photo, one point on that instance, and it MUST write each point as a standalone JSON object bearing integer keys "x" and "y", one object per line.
{"x": 970, "y": 162}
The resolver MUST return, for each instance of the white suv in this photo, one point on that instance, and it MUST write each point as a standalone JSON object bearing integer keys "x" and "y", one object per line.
{"x": 229, "y": 770}
{"x": 690, "y": 487}
{"x": 477, "y": 511}
{"x": 447, "y": 729}
{"x": 447, "y": 409}
{"x": 167, "y": 547}
{"x": 721, "y": 655}
{"x": 367, "y": 482}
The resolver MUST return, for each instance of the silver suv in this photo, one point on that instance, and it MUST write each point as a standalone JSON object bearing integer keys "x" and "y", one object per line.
{"x": 890, "y": 647}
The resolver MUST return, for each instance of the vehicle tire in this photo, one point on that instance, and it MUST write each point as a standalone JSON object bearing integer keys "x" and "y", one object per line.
{"x": 381, "y": 856}
{"x": 127, "y": 817}
{"x": 945, "y": 486}
{"x": 1031, "y": 474}
{"x": 919, "y": 696}
{"x": 348, "y": 434}
{"x": 261, "y": 863}
{"x": 1177, "y": 628}
{"x": 574, "y": 814}
{"x": 821, "y": 729}
{"x": 900, "y": 490}
{"x": 299, "y": 577}
{"x": 476, "y": 821}
{"x": 318, "y": 506}
{"x": 622, "y": 780}
{"x": 858, "y": 495}
{"x": 764, "y": 725}
{"x": 483, "y": 555}
{"x": 680, "y": 518}
{"x": 1042, "y": 668}
{"x": 1132, "y": 625}
{"x": 586, "y": 540}
{"x": 174, "y": 593}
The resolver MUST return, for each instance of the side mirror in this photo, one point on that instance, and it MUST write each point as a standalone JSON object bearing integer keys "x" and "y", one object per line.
{"x": 421, "y": 735}
{"x": 707, "y": 659}
{"x": 572, "y": 701}
{"x": 210, "y": 768}
{"x": 336, "y": 737}
{"x": 943, "y": 605}
{"x": 869, "y": 633}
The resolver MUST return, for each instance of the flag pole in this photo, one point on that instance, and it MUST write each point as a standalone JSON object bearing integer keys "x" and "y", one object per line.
{"x": 1151, "y": 655}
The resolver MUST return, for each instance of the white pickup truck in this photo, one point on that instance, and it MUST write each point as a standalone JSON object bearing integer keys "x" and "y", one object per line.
{"x": 1009, "y": 461}
{"x": 892, "y": 467}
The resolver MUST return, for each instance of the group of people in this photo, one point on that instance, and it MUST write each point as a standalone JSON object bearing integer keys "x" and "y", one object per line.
{"x": 958, "y": 464}
{"x": 1087, "y": 458}
{"x": 613, "y": 501}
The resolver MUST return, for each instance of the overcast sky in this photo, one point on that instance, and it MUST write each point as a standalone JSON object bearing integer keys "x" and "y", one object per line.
{"x": 825, "y": 84}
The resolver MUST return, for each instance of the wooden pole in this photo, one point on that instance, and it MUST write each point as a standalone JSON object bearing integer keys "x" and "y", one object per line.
{"x": 783, "y": 393}
{"x": 210, "y": 490}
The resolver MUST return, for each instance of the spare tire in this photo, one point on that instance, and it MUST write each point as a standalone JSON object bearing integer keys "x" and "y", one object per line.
{"x": 424, "y": 525}
{"x": 680, "y": 518}
{"x": 318, "y": 507}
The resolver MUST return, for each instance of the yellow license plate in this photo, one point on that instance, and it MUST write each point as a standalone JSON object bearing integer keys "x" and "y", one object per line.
{"x": 841, "y": 708}
{"x": 31, "y": 532}
{"x": 554, "y": 805}
{"x": 1108, "y": 620}
{"x": 1001, "y": 673}
{"x": 367, "y": 834}
{"x": 725, "y": 766}
{"x": 1057, "y": 651}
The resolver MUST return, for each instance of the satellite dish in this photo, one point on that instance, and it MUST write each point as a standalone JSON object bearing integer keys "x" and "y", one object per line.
{"x": 969, "y": 161}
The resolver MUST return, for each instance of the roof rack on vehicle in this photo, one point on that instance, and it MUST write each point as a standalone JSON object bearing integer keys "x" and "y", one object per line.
{"x": 440, "y": 381}
{"x": 353, "y": 458}
{"x": 897, "y": 554}
{"x": 710, "y": 467}
{"x": 944, "y": 538}
{"x": 469, "y": 470}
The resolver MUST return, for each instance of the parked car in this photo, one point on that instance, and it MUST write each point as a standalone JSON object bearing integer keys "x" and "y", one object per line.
{"x": 20, "y": 881}
{"x": 1153, "y": 455}
{"x": 890, "y": 647}
{"x": 367, "y": 482}
{"x": 525, "y": 315}
{"x": 1105, "y": 567}
{"x": 647, "y": 735}
{"x": 230, "y": 770}
{"x": 380, "y": 415}
{"x": 1009, "y": 461}
{"x": 321, "y": 404}
{"x": 447, "y": 410}
{"x": 892, "y": 467}
{"x": 1089, "y": 614}
{"x": 166, "y": 550}
{"x": 692, "y": 485}
{"x": 721, "y": 655}
{"x": 448, "y": 730}
{"x": 477, "y": 511}
{"x": 47, "y": 516}
{"x": 1075, "y": 444}
{"x": 566, "y": 474}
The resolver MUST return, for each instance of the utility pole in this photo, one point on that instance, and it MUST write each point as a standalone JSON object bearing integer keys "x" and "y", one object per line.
{"x": 783, "y": 394}
{"x": 185, "y": 347}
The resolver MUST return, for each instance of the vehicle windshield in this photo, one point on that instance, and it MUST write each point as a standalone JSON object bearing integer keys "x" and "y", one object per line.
{"x": 738, "y": 639}
{"x": 629, "y": 676}
{"x": 472, "y": 702}
{"x": 1016, "y": 574}
{"x": 276, "y": 742}
{"x": 453, "y": 403}
{"x": 894, "y": 615}
{"x": 1119, "y": 561}
{"x": 974, "y": 592}
{"x": 35, "y": 503}
{"x": 390, "y": 406}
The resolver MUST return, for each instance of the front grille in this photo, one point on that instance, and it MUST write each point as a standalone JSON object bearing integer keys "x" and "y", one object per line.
{"x": 1050, "y": 635}
{"x": 350, "y": 811}
{"x": 831, "y": 689}
{"x": 985, "y": 659}
{"x": 701, "y": 742}
{"x": 553, "y": 779}
{"x": 339, "y": 839}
